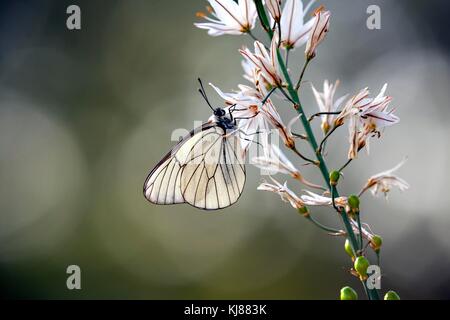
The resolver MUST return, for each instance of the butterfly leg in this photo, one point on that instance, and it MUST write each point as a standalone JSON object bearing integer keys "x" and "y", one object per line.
{"x": 245, "y": 118}
{"x": 230, "y": 112}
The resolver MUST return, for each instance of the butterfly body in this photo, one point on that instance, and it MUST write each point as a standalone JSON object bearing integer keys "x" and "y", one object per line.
{"x": 219, "y": 117}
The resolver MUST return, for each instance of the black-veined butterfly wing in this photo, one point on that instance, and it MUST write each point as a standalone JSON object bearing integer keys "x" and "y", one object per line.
{"x": 206, "y": 169}
{"x": 162, "y": 185}
{"x": 214, "y": 175}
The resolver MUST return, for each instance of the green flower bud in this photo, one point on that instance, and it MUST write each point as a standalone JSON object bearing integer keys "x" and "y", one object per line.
{"x": 347, "y": 293}
{"x": 353, "y": 203}
{"x": 334, "y": 177}
{"x": 391, "y": 295}
{"x": 303, "y": 211}
{"x": 361, "y": 264}
{"x": 348, "y": 248}
{"x": 376, "y": 243}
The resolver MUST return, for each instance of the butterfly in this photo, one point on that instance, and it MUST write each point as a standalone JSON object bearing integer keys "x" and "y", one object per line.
{"x": 205, "y": 169}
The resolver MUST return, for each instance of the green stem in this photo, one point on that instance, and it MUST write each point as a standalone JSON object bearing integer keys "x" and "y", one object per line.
{"x": 295, "y": 150}
{"x": 322, "y": 143}
{"x": 303, "y": 119}
{"x": 268, "y": 95}
{"x": 358, "y": 219}
{"x": 321, "y": 226}
{"x": 299, "y": 82}
{"x": 263, "y": 17}
{"x": 286, "y": 56}
{"x": 372, "y": 294}
{"x": 345, "y": 165}
{"x": 323, "y": 114}
{"x": 252, "y": 35}
{"x": 286, "y": 95}
{"x": 299, "y": 135}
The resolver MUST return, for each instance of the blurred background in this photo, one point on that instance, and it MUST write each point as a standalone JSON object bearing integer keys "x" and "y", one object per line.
{"x": 85, "y": 114}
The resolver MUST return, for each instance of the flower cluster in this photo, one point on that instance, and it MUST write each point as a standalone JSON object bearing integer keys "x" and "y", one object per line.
{"x": 367, "y": 116}
{"x": 290, "y": 25}
{"x": 229, "y": 17}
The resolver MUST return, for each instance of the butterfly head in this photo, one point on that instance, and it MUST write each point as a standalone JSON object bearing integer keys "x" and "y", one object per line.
{"x": 219, "y": 112}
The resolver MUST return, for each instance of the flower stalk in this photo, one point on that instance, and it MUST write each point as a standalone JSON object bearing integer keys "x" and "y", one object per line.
{"x": 302, "y": 73}
{"x": 263, "y": 17}
{"x": 372, "y": 294}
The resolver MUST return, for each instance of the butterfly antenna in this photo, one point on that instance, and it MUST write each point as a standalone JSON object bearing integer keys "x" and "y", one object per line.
{"x": 203, "y": 93}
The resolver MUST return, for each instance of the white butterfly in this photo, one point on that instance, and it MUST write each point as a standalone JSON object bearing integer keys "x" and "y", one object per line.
{"x": 205, "y": 169}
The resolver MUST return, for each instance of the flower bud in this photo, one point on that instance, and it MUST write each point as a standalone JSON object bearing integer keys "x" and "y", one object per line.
{"x": 353, "y": 203}
{"x": 334, "y": 177}
{"x": 274, "y": 8}
{"x": 348, "y": 249}
{"x": 304, "y": 211}
{"x": 347, "y": 293}
{"x": 318, "y": 32}
{"x": 391, "y": 295}
{"x": 361, "y": 264}
{"x": 325, "y": 127}
{"x": 288, "y": 142}
{"x": 376, "y": 243}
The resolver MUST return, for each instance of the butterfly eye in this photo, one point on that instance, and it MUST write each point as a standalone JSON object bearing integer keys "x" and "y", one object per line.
{"x": 219, "y": 112}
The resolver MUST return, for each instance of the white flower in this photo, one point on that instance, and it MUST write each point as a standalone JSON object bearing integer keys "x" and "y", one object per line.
{"x": 356, "y": 138}
{"x": 266, "y": 63}
{"x": 384, "y": 181}
{"x": 364, "y": 107}
{"x": 275, "y": 161}
{"x": 274, "y": 8}
{"x": 283, "y": 191}
{"x": 313, "y": 199}
{"x": 245, "y": 106}
{"x": 326, "y": 103}
{"x": 294, "y": 30}
{"x": 272, "y": 115}
{"x": 367, "y": 117}
{"x": 247, "y": 97}
{"x": 318, "y": 32}
{"x": 254, "y": 127}
{"x": 371, "y": 127}
{"x": 229, "y": 17}
{"x": 351, "y": 107}
{"x": 255, "y": 117}
{"x": 253, "y": 74}
{"x": 368, "y": 105}
{"x": 250, "y": 71}
{"x": 375, "y": 114}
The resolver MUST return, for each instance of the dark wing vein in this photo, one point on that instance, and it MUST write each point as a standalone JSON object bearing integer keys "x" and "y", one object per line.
{"x": 232, "y": 168}
{"x": 168, "y": 181}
